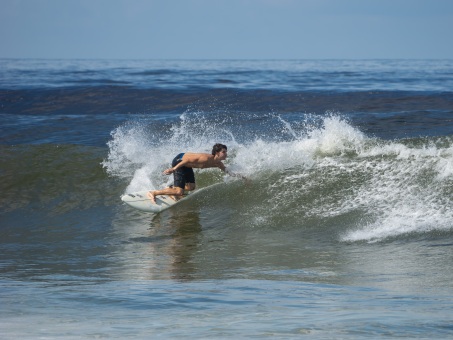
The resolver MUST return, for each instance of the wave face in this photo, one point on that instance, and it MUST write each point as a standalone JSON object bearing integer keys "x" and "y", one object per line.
{"x": 317, "y": 171}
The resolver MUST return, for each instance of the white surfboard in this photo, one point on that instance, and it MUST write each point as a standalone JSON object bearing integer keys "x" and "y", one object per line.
{"x": 139, "y": 200}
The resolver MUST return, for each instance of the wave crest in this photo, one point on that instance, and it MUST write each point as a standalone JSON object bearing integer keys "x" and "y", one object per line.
{"x": 306, "y": 170}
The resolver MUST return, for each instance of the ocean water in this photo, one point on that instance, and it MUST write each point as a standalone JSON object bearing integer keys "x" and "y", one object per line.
{"x": 345, "y": 230}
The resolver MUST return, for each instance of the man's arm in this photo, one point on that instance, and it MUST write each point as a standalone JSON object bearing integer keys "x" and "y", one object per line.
{"x": 171, "y": 170}
{"x": 190, "y": 160}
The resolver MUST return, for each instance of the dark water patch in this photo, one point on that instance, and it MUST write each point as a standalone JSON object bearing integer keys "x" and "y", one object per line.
{"x": 58, "y": 178}
{"x": 93, "y": 100}
{"x": 92, "y": 130}
{"x": 406, "y": 124}
{"x": 100, "y": 82}
{"x": 155, "y": 72}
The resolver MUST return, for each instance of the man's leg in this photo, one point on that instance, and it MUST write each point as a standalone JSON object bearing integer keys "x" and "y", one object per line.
{"x": 175, "y": 191}
{"x": 189, "y": 187}
{"x": 184, "y": 178}
{"x": 189, "y": 178}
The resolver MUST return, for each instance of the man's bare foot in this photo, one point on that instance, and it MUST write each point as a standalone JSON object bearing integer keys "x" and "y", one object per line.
{"x": 151, "y": 196}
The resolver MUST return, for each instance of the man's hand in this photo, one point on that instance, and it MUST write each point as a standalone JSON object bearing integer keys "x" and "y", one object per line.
{"x": 233, "y": 174}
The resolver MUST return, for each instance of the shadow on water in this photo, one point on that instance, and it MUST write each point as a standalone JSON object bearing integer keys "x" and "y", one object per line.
{"x": 161, "y": 246}
{"x": 185, "y": 229}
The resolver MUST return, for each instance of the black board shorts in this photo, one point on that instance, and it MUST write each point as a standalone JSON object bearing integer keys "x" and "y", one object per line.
{"x": 183, "y": 174}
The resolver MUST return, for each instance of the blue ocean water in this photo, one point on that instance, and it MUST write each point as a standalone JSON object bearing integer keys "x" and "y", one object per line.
{"x": 345, "y": 230}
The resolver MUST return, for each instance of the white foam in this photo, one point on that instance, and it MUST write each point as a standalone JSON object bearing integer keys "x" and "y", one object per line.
{"x": 139, "y": 155}
{"x": 396, "y": 187}
{"x": 337, "y": 136}
{"x": 407, "y": 191}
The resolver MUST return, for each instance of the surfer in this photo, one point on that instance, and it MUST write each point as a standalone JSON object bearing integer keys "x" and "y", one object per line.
{"x": 182, "y": 170}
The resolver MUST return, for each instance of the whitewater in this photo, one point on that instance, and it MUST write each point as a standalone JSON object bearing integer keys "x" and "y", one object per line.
{"x": 317, "y": 168}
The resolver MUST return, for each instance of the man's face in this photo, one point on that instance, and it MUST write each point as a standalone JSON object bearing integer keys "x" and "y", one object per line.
{"x": 222, "y": 154}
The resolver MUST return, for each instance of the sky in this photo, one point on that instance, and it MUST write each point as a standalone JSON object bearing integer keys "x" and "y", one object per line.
{"x": 227, "y": 29}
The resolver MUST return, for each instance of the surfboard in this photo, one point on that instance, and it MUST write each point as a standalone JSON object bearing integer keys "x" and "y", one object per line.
{"x": 139, "y": 200}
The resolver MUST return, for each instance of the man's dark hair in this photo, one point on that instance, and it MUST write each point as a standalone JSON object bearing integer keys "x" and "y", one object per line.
{"x": 218, "y": 147}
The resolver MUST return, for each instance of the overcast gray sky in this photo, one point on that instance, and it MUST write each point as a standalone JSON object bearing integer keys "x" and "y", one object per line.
{"x": 226, "y": 29}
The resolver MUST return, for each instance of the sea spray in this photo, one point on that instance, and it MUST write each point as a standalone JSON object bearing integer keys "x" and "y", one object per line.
{"x": 142, "y": 149}
{"x": 408, "y": 190}
{"x": 315, "y": 172}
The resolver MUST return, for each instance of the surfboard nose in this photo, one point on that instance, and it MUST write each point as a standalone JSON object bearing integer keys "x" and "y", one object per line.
{"x": 126, "y": 196}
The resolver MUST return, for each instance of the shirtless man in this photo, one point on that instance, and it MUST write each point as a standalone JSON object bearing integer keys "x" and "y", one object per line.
{"x": 182, "y": 170}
